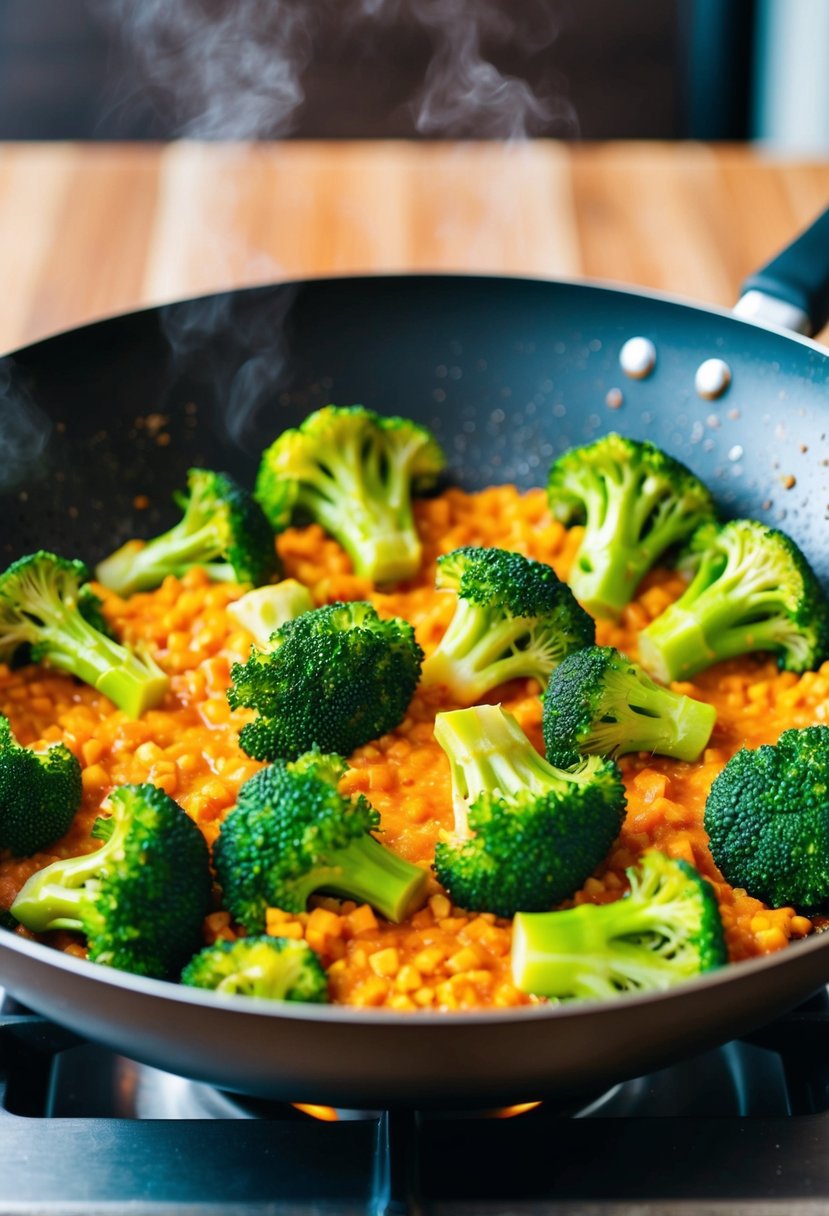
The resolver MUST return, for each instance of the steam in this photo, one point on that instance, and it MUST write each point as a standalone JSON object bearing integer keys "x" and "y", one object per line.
{"x": 234, "y": 70}
{"x": 24, "y": 431}
{"x": 246, "y": 369}
{"x": 221, "y": 71}
{"x": 464, "y": 93}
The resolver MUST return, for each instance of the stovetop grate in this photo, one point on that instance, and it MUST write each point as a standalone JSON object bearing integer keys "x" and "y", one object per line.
{"x": 76, "y": 1141}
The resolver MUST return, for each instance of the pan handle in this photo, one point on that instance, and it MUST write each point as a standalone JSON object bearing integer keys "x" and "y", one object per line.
{"x": 792, "y": 289}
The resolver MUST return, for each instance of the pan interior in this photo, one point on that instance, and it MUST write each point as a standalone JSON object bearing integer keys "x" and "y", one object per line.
{"x": 508, "y": 373}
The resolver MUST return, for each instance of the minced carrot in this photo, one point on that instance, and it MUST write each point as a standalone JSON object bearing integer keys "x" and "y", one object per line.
{"x": 443, "y": 957}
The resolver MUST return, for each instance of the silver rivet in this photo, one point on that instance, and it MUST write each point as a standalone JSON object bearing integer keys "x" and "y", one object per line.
{"x": 638, "y": 358}
{"x": 735, "y": 453}
{"x": 712, "y": 379}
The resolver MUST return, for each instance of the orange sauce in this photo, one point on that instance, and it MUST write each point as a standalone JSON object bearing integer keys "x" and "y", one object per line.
{"x": 444, "y": 957}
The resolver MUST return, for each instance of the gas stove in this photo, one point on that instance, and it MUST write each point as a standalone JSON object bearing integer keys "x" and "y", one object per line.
{"x": 742, "y": 1130}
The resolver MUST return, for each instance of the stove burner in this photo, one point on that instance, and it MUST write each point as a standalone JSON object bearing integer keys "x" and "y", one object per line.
{"x": 111, "y": 1134}
{"x": 735, "y": 1080}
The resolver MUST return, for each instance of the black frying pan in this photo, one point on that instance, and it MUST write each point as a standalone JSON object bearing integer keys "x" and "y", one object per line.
{"x": 508, "y": 373}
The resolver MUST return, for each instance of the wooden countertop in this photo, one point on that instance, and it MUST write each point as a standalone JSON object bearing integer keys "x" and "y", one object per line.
{"x": 88, "y": 230}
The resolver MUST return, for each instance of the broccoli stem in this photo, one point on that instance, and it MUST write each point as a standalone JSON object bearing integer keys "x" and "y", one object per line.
{"x": 378, "y": 549}
{"x": 653, "y": 719}
{"x": 57, "y": 903}
{"x": 730, "y": 607}
{"x": 141, "y": 567}
{"x": 606, "y": 583}
{"x": 386, "y": 556}
{"x": 372, "y": 521}
{"x": 131, "y": 682}
{"x": 468, "y": 661}
{"x": 681, "y": 642}
{"x": 366, "y": 871}
{"x": 489, "y": 754}
{"x": 631, "y": 518}
{"x": 592, "y": 950}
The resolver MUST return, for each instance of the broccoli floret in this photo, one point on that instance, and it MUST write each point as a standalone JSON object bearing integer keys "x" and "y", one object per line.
{"x": 514, "y": 617}
{"x": 667, "y": 929}
{"x": 141, "y": 898}
{"x": 265, "y": 609}
{"x": 767, "y": 819}
{"x": 333, "y": 678}
{"x": 223, "y": 529}
{"x": 600, "y": 702}
{"x": 292, "y": 833}
{"x": 752, "y": 590}
{"x": 39, "y": 794}
{"x": 42, "y": 608}
{"x": 635, "y": 502}
{"x": 276, "y": 968}
{"x": 527, "y": 834}
{"x": 354, "y": 472}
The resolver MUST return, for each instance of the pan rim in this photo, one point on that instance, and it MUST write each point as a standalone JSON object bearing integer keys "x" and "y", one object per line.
{"x": 598, "y": 285}
{"x": 168, "y": 990}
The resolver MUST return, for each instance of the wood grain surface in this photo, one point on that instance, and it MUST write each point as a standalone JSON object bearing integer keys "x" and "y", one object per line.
{"x": 88, "y": 230}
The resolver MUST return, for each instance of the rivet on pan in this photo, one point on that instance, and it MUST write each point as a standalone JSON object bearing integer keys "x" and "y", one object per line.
{"x": 614, "y": 399}
{"x": 712, "y": 379}
{"x": 638, "y": 358}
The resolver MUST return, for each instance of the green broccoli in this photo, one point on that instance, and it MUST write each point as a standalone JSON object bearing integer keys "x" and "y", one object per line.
{"x": 527, "y": 834}
{"x": 667, "y": 929}
{"x": 42, "y": 608}
{"x": 275, "y": 968}
{"x": 354, "y": 472}
{"x": 752, "y": 590}
{"x": 514, "y": 617}
{"x": 223, "y": 529}
{"x": 292, "y": 833}
{"x": 39, "y": 794}
{"x": 333, "y": 678}
{"x": 767, "y": 819}
{"x": 91, "y": 608}
{"x": 635, "y": 502}
{"x": 265, "y": 609}
{"x": 141, "y": 898}
{"x": 601, "y": 702}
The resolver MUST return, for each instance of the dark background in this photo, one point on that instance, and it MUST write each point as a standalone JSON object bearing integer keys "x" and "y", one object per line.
{"x": 626, "y": 68}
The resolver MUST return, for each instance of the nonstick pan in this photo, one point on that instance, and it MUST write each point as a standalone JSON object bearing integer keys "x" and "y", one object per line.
{"x": 508, "y": 373}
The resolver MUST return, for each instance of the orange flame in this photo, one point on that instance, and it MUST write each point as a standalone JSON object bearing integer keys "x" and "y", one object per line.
{"x": 326, "y": 1114}
{"x": 510, "y": 1112}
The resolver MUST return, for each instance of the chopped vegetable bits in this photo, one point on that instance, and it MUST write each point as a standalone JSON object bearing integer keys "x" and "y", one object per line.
{"x": 442, "y": 955}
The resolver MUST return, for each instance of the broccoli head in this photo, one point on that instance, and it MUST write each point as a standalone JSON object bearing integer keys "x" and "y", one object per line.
{"x": 333, "y": 678}
{"x": 263, "y": 610}
{"x": 292, "y": 833}
{"x": 635, "y": 502}
{"x": 276, "y": 968}
{"x": 767, "y": 819}
{"x": 223, "y": 529}
{"x": 39, "y": 794}
{"x": 140, "y": 898}
{"x": 667, "y": 929}
{"x": 527, "y": 834}
{"x": 514, "y": 618}
{"x": 44, "y": 607}
{"x": 752, "y": 589}
{"x": 354, "y": 472}
{"x": 601, "y": 702}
